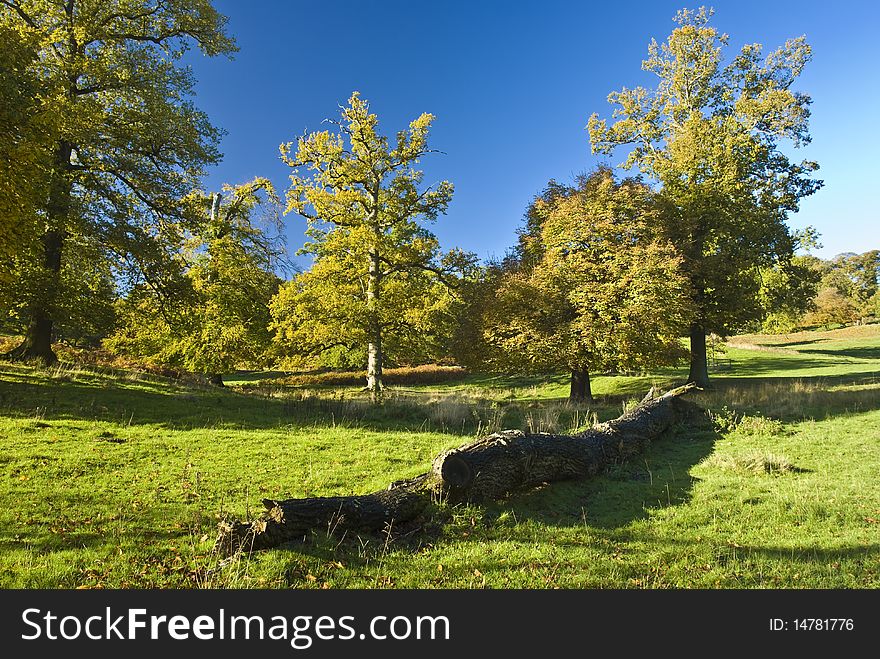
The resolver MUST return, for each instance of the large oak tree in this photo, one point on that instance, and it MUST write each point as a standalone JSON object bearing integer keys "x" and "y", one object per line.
{"x": 711, "y": 135}
{"x": 125, "y": 143}
{"x": 595, "y": 287}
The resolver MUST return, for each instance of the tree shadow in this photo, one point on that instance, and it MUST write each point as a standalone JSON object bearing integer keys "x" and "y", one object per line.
{"x": 136, "y": 403}
{"x": 858, "y": 352}
{"x": 768, "y": 364}
{"x": 822, "y": 555}
{"x": 624, "y": 492}
{"x": 29, "y": 394}
{"x": 797, "y": 343}
{"x": 802, "y": 553}
{"x": 166, "y": 404}
{"x": 61, "y": 524}
{"x": 46, "y": 541}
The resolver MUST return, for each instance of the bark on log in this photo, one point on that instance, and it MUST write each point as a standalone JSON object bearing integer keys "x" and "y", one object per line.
{"x": 293, "y": 519}
{"x": 487, "y": 469}
{"x": 499, "y": 464}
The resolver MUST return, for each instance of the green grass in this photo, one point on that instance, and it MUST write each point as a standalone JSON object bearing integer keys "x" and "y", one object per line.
{"x": 848, "y": 352}
{"x": 110, "y": 480}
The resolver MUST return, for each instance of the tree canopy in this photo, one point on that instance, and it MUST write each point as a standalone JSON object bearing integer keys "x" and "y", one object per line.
{"x": 597, "y": 287}
{"x": 23, "y": 148}
{"x": 848, "y": 289}
{"x": 788, "y": 290}
{"x": 216, "y": 316}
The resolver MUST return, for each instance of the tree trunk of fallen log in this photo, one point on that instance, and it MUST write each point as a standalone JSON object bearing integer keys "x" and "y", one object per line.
{"x": 293, "y": 519}
{"x": 487, "y": 469}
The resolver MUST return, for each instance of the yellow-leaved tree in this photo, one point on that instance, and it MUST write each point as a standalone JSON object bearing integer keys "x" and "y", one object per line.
{"x": 711, "y": 136}
{"x": 379, "y": 283}
{"x": 595, "y": 288}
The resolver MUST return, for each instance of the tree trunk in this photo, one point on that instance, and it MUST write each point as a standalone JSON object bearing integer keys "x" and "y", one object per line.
{"x": 699, "y": 373}
{"x": 489, "y": 468}
{"x": 374, "y": 366}
{"x": 374, "y": 347}
{"x": 216, "y": 379}
{"x": 37, "y": 342}
{"x": 216, "y": 198}
{"x": 580, "y": 390}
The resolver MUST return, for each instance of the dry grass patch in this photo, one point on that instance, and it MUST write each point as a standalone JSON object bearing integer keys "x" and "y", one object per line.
{"x": 404, "y": 376}
{"x": 753, "y": 462}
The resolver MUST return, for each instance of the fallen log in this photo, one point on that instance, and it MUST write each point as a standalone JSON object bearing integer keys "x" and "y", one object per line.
{"x": 487, "y": 469}
{"x": 292, "y": 519}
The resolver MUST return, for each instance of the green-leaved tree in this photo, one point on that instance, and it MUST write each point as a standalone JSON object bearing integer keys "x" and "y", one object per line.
{"x": 709, "y": 134}
{"x": 214, "y": 316}
{"x": 124, "y": 142}
{"x": 23, "y": 150}
{"x": 848, "y": 290}
{"x": 788, "y": 291}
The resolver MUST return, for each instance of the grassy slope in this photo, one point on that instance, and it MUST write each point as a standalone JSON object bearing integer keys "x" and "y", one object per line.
{"x": 110, "y": 481}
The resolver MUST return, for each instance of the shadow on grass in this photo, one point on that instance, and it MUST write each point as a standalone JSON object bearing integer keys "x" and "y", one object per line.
{"x": 181, "y": 409}
{"x": 39, "y": 398}
{"x": 824, "y": 556}
{"x": 36, "y": 395}
{"x": 859, "y": 352}
{"x": 795, "y": 342}
{"x": 769, "y": 363}
{"x": 803, "y": 553}
{"x": 81, "y": 520}
{"x": 47, "y": 541}
{"x": 625, "y": 492}
{"x": 241, "y": 377}
{"x": 607, "y": 505}
{"x": 495, "y": 381}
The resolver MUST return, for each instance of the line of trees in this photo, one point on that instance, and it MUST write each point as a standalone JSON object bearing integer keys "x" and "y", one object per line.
{"x": 106, "y": 237}
{"x": 840, "y": 291}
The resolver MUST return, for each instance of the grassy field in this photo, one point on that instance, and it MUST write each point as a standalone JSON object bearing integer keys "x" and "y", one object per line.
{"x": 118, "y": 480}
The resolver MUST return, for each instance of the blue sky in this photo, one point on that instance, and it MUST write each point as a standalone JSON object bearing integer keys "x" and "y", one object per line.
{"x": 512, "y": 85}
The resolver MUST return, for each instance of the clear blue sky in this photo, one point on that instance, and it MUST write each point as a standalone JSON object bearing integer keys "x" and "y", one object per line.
{"x": 512, "y": 85}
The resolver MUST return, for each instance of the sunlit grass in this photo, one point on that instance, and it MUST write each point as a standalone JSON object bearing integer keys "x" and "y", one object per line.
{"x": 115, "y": 479}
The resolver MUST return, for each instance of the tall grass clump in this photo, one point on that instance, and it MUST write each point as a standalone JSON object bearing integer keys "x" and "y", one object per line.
{"x": 753, "y": 462}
